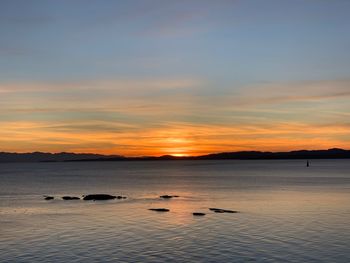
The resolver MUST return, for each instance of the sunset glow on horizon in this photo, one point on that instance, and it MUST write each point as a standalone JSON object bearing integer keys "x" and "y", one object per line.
{"x": 180, "y": 78}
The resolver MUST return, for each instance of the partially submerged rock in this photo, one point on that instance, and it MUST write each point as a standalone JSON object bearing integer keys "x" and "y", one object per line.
{"x": 159, "y": 209}
{"x": 168, "y": 196}
{"x": 47, "y": 197}
{"x": 230, "y": 211}
{"x": 95, "y": 197}
{"x": 219, "y": 210}
{"x": 198, "y": 214}
{"x": 70, "y": 198}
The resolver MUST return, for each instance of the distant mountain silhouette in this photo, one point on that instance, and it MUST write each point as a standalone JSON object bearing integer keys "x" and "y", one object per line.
{"x": 49, "y": 157}
{"x": 301, "y": 154}
{"x": 243, "y": 155}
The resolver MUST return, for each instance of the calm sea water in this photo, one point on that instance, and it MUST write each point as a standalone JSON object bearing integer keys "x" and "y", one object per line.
{"x": 288, "y": 213}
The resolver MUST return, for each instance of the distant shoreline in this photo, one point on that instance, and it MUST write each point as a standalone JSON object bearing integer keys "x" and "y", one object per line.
{"x": 335, "y": 153}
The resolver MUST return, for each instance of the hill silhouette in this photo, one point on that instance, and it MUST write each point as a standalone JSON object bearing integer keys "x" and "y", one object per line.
{"x": 49, "y": 157}
{"x": 334, "y": 153}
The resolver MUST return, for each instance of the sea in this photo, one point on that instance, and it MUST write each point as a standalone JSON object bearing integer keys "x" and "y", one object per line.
{"x": 287, "y": 212}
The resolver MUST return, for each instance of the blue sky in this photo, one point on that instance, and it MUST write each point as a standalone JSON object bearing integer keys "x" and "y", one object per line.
{"x": 246, "y": 41}
{"x": 160, "y": 65}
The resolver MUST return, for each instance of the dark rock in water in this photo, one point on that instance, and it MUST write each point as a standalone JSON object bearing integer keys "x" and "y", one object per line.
{"x": 230, "y": 211}
{"x": 70, "y": 198}
{"x": 219, "y": 210}
{"x": 48, "y": 197}
{"x": 95, "y": 197}
{"x": 121, "y": 197}
{"x": 168, "y": 196}
{"x": 198, "y": 214}
{"x": 159, "y": 209}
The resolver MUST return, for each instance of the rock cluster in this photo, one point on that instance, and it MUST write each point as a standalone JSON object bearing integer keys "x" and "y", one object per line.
{"x": 95, "y": 197}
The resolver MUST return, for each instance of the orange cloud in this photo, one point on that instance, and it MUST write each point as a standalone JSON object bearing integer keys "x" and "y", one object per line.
{"x": 98, "y": 117}
{"x": 295, "y": 91}
{"x": 173, "y": 138}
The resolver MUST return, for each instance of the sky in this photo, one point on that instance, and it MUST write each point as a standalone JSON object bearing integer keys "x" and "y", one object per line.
{"x": 185, "y": 77}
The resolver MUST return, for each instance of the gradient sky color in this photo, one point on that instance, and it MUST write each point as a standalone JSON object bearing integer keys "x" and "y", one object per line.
{"x": 158, "y": 77}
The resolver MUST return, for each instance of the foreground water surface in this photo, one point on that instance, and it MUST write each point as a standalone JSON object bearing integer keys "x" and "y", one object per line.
{"x": 288, "y": 213}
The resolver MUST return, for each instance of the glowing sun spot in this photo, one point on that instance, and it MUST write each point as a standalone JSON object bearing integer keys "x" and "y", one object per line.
{"x": 179, "y": 154}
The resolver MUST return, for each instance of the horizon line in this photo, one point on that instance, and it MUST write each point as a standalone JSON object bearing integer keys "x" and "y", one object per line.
{"x": 172, "y": 155}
